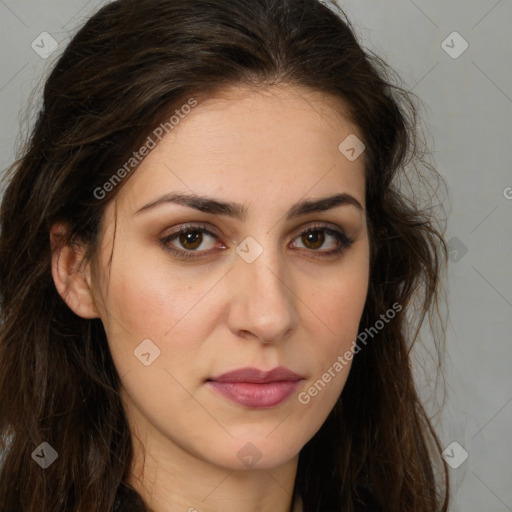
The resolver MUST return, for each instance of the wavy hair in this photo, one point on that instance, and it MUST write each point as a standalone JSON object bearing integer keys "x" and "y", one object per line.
{"x": 125, "y": 70}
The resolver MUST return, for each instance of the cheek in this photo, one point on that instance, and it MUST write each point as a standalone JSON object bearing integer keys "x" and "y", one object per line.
{"x": 148, "y": 299}
{"x": 332, "y": 333}
{"x": 148, "y": 293}
{"x": 338, "y": 305}
{"x": 339, "y": 299}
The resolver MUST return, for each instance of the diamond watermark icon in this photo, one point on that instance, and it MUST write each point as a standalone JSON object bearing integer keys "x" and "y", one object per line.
{"x": 454, "y": 455}
{"x": 352, "y": 147}
{"x": 249, "y": 455}
{"x": 44, "y": 45}
{"x": 249, "y": 249}
{"x": 146, "y": 352}
{"x": 456, "y": 249}
{"x": 45, "y": 455}
{"x": 454, "y": 45}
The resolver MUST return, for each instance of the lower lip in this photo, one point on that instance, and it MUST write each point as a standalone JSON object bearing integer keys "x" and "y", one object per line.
{"x": 256, "y": 396}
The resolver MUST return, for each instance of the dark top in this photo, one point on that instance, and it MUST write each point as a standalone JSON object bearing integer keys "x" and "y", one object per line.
{"x": 128, "y": 500}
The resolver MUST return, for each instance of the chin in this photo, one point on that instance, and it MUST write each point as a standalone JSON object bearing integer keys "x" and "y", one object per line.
{"x": 256, "y": 452}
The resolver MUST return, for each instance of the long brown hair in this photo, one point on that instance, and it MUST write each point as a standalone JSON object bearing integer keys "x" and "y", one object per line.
{"x": 124, "y": 72}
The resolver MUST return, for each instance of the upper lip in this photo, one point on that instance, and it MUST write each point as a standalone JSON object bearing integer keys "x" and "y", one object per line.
{"x": 250, "y": 374}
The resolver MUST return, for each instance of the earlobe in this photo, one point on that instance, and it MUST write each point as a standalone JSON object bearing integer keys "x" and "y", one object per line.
{"x": 70, "y": 275}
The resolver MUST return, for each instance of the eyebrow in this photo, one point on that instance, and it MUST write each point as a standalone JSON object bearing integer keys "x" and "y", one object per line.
{"x": 239, "y": 211}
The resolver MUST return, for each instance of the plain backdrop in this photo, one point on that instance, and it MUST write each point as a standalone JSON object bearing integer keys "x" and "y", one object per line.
{"x": 456, "y": 56}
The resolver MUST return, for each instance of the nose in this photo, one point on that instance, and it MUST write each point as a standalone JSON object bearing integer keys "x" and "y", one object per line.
{"x": 262, "y": 299}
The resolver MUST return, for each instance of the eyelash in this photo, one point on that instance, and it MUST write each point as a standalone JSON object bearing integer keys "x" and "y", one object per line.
{"x": 344, "y": 241}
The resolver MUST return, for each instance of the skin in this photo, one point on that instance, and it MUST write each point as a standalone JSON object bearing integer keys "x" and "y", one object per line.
{"x": 267, "y": 150}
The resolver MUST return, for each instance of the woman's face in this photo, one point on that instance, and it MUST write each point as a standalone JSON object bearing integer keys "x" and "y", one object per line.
{"x": 254, "y": 290}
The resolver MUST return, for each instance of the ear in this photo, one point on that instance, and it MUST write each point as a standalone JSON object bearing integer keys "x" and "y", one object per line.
{"x": 72, "y": 277}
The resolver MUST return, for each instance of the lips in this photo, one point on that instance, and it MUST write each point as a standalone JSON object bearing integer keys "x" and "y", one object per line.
{"x": 256, "y": 388}
{"x": 249, "y": 374}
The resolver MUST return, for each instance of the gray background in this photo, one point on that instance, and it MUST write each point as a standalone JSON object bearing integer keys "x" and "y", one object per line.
{"x": 468, "y": 114}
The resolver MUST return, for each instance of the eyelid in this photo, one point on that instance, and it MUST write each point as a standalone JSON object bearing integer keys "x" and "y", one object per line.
{"x": 311, "y": 225}
{"x": 203, "y": 227}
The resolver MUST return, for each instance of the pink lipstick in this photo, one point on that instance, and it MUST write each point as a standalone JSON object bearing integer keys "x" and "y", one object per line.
{"x": 255, "y": 388}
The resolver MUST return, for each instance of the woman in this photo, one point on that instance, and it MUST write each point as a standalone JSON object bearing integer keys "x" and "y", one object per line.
{"x": 209, "y": 272}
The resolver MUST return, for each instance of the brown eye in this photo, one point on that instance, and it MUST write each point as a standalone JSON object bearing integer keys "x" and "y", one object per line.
{"x": 313, "y": 239}
{"x": 186, "y": 241}
{"x": 316, "y": 237}
{"x": 191, "y": 239}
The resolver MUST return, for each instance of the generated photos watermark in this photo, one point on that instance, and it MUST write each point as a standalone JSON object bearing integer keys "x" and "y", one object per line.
{"x": 151, "y": 142}
{"x": 343, "y": 360}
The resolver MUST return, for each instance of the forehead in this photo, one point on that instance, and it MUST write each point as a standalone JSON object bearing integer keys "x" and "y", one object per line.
{"x": 270, "y": 143}
{"x": 288, "y": 116}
